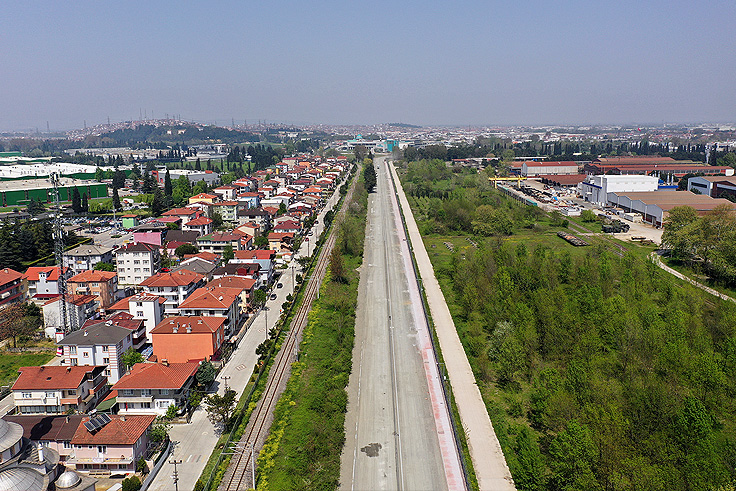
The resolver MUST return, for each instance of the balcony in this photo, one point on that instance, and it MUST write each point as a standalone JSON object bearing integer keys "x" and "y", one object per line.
{"x": 134, "y": 399}
{"x": 73, "y": 459}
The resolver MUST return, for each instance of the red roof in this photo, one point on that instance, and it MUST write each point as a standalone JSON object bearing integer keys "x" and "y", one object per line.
{"x": 125, "y": 302}
{"x": 120, "y": 319}
{"x": 196, "y": 324}
{"x": 157, "y": 376}
{"x": 52, "y": 377}
{"x": 210, "y": 297}
{"x": 198, "y": 221}
{"x": 204, "y": 196}
{"x": 93, "y": 276}
{"x": 74, "y": 299}
{"x": 121, "y": 430}
{"x": 7, "y": 275}
{"x": 565, "y": 163}
{"x": 52, "y": 273}
{"x": 207, "y": 256}
{"x": 173, "y": 278}
{"x": 262, "y": 254}
{"x": 237, "y": 282}
{"x": 180, "y": 211}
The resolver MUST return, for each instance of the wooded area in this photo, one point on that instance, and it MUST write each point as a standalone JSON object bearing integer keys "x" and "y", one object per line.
{"x": 599, "y": 371}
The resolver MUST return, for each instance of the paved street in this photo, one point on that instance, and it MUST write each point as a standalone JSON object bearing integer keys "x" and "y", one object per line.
{"x": 196, "y": 440}
{"x": 485, "y": 451}
{"x": 397, "y": 428}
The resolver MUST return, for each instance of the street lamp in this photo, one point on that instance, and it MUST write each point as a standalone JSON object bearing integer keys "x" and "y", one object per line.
{"x": 175, "y": 477}
{"x": 226, "y": 378}
{"x": 265, "y": 310}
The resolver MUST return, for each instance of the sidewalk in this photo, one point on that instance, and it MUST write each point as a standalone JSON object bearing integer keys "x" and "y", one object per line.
{"x": 485, "y": 450}
{"x": 658, "y": 261}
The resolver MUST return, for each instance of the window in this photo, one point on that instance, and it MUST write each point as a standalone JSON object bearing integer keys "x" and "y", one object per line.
{"x": 139, "y": 313}
{"x": 136, "y": 261}
{"x": 164, "y": 392}
{"x": 127, "y": 392}
{"x": 145, "y": 405}
{"x": 27, "y": 395}
{"x": 104, "y": 348}
{"x": 85, "y": 354}
{"x": 145, "y": 392}
{"x": 95, "y": 285}
{"x": 101, "y": 448}
{"x": 67, "y": 444}
{"x": 73, "y": 362}
{"x": 50, "y": 394}
{"x": 107, "y": 372}
{"x": 137, "y": 270}
{"x": 105, "y": 361}
{"x": 72, "y": 350}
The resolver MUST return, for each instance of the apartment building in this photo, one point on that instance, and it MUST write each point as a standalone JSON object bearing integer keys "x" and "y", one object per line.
{"x": 13, "y": 287}
{"x": 182, "y": 339}
{"x": 174, "y": 286}
{"x": 150, "y": 308}
{"x": 100, "y": 344}
{"x": 102, "y": 284}
{"x": 57, "y": 389}
{"x": 150, "y": 388}
{"x": 136, "y": 262}
{"x": 85, "y": 256}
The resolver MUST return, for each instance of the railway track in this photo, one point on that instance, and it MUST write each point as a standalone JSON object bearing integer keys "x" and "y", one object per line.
{"x": 240, "y": 475}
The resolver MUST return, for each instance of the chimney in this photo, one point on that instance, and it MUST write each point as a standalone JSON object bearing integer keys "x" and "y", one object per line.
{"x": 68, "y": 369}
{"x": 86, "y": 333}
{"x": 122, "y": 417}
{"x": 189, "y": 328}
{"x": 165, "y": 362}
{"x": 175, "y": 329}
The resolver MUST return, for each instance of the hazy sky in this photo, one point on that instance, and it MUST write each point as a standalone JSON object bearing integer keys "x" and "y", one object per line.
{"x": 430, "y": 62}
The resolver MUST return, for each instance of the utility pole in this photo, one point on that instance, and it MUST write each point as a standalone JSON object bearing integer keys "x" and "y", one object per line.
{"x": 265, "y": 310}
{"x": 175, "y": 477}
{"x": 67, "y": 323}
{"x": 226, "y": 378}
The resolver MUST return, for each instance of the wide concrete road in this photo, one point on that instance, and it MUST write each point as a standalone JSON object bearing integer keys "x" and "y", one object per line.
{"x": 392, "y": 437}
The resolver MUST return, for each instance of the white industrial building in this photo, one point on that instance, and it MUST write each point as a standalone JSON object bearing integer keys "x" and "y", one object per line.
{"x": 713, "y": 186}
{"x": 533, "y": 169}
{"x": 595, "y": 189}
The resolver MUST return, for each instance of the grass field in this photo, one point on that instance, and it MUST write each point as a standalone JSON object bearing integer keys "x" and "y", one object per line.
{"x": 10, "y": 362}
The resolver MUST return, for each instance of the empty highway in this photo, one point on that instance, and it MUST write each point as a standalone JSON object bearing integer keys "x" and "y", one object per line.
{"x": 398, "y": 433}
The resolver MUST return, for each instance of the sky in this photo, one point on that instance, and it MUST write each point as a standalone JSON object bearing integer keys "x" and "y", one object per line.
{"x": 427, "y": 63}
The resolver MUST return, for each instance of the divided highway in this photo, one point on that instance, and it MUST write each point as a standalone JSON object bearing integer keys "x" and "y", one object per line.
{"x": 398, "y": 433}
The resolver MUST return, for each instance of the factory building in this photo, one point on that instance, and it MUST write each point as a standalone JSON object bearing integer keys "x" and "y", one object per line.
{"x": 596, "y": 189}
{"x": 654, "y": 206}
{"x": 20, "y": 192}
{"x": 713, "y": 186}
{"x": 533, "y": 169}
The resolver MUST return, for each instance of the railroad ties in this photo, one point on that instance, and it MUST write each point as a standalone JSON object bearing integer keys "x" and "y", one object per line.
{"x": 576, "y": 241}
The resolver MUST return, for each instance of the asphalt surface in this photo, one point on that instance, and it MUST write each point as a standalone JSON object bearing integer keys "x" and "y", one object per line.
{"x": 485, "y": 451}
{"x": 391, "y": 436}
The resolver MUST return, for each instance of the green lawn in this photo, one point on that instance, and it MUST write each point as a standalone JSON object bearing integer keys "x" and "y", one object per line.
{"x": 10, "y": 362}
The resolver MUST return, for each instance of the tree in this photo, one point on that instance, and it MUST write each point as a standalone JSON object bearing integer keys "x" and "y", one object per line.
{"x": 185, "y": 249}
{"x": 680, "y": 231}
{"x": 104, "y": 267}
{"x": 85, "y": 203}
{"x": 337, "y": 267}
{"x": 216, "y": 220}
{"x": 76, "y": 201}
{"x": 220, "y": 408}
{"x": 369, "y": 177}
{"x": 14, "y": 324}
{"x": 168, "y": 188}
{"x": 573, "y": 458}
{"x": 159, "y": 429}
{"x": 157, "y": 205}
{"x": 116, "y": 199}
{"x": 260, "y": 241}
{"x": 529, "y": 474}
{"x": 228, "y": 254}
{"x": 99, "y": 174}
{"x": 206, "y": 373}
{"x": 131, "y": 357}
{"x": 259, "y": 298}
{"x": 132, "y": 483}
{"x": 588, "y": 216}
{"x": 491, "y": 221}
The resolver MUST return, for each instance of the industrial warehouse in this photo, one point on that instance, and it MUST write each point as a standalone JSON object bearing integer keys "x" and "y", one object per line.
{"x": 20, "y": 192}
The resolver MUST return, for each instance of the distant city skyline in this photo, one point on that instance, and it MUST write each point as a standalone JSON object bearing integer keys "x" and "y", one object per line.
{"x": 430, "y": 63}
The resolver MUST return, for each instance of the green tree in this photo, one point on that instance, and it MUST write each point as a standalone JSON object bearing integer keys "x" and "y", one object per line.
{"x": 491, "y": 221}
{"x": 185, "y": 249}
{"x": 131, "y": 357}
{"x": 168, "y": 188}
{"x": 158, "y": 205}
{"x": 99, "y": 174}
{"x": 116, "y": 199}
{"x": 681, "y": 231}
{"x": 260, "y": 241}
{"x": 76, "y": 201}
{"x": 228, "y": 254}
{"x": 220, "y": 408}
{"x": 529, "y": 471}
{"x": 216, "y": 220}
{"x": 160, "y": 429}
{"x": 104, "y": 267}
{"x": 206, "y": 373}
{"x": 338, "y": 272}
{"x": 259, "y": 298}
{"x": 573, "y": 456}
{"x": 282, "y": 208}
{"x": 85, "y": 203}
{"x": 588, "y": 216}
{"x": 369, "y": 177}
{"x": 132, "y": 483}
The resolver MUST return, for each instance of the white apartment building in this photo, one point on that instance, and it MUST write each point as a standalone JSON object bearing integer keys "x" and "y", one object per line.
{"x": 100, "y": 344}
{"x": 56, "y": 389}
{"x": 136, "y": 262}
{"x": 85, "y": 256}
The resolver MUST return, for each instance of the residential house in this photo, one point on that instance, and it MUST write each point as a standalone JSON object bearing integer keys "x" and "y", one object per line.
{"x": 43, "y": 282}
{"x": 175, "y": 287}
{"x": 50, "y": 431}
{"x": 249, "y": 228}
{"x": 202, "y": 225}
{"x": 251, "y": 200}
{"x": 85, "y": 256}
{"x": 188, "y": 236}
{"x": 13, "y": 287}
{"x": 136, "y": 262}
{"x": 203, "y": 198}
{"x": 207, "y": 256}
{"x": 288, "y": 226}
{"x": 280, "y": 241}
{"x": 79, "y": 308}
{"x": 144, "y": 306}
{"x": 183, "y": 339}
{"x": 102, "y": 284}
{"x": 228, "y": 210}
{"x": 126, "y": 320}
{"x": 246, "y": 286}
{"x": 57, "y": 389}
{"x": 257, "y": 215}
{"x": 265, "y": 258}
{"x": 215, "y": 301}
{"x": 100, "y": 344}
{"x": 185, "y": 214}
{"x": 247, "y": 270}
{"x": 226, "y": 192}
{"x": 150, "y": 388}
{"x": 116, "y": 446}
{"x": 197, "y": 265}
{"x": 217, "y": 242}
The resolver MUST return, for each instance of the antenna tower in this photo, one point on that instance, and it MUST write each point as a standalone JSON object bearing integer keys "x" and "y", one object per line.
{"x": 68, "y": 324}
